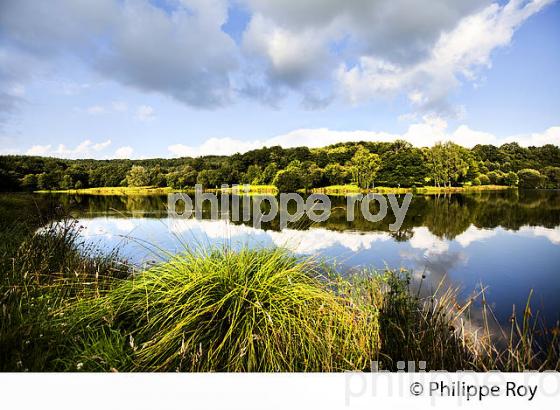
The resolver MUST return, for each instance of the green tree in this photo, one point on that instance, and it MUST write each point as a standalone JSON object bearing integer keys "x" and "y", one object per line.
{"x": 44, "y": 181}
{"x": 336, "y": 174}
{"x": 530, "y": 178}
{"x": 340, "y": 155}
{"x": 552, "y": 175}
{"x": 435, "y": 160}
{"x": 496, "y": 177}
{"x": 447, "y": 163}
{"x": 29, "y": 182}
{"x": 175, "y": 180}
{"x": 403, "y": 165}
{"x": 137, "y": 176}
{"x": 209, "y": 178}
{"x": 484, "y": 180}
{"x": 364, "y": 166}
{"x": 156, "y": 176}
{"x": 269, "y": 173}
{"x": 254, "y": 175}
{"x": 291, "y": 178}
{"x": 66, "y": 182}
{"x": 183, "y": 177}
{"x": 312, "y": 176}
{"x": 287, "y": 180}
{"x": 511, "y": 179}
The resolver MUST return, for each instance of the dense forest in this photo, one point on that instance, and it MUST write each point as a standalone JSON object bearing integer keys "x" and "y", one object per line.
{"x": 362, "y": 163}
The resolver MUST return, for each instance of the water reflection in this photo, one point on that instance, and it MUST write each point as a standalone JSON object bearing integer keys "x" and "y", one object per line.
{"x": 508, "y": 241}
{"x": 446, "y": 216}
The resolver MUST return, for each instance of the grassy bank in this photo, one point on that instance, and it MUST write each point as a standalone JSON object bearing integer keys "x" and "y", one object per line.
{"x": 67, "y": 308}
{"x": 426, "y": 190}
{"x": 252, "y": 189}
{"x": 149, "y": 190}
{"x": 271, "y": 189}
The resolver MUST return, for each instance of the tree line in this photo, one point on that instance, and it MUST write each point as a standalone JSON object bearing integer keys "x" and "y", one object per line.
{"x": 364, "y": 164}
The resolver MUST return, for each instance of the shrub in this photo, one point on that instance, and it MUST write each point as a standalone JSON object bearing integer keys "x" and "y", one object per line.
{"x": 476, "y": 182}
{"x": 552, "y": 175}
{"x": 530, "y": 178}
{"x": 253, "y": 310}
{"x": 511, "y": 179}
{"x": 288, "y": 180}
{"x": 495, "y": 177}
{"x": 484, "y": 180}
{"x": 137, "y": 176}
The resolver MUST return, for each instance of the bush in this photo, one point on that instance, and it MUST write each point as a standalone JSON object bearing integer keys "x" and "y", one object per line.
{"x": 552, "y": 175}
{"x": 476, "y": 182}
{"x": 137, "y": 176}
{"x": 530, "y": 178}
{"x": 484, "y": 180}
{"x": 496, "y": 177}
{"x": 288, "y": 180}
{"x": 253, "y": 310}
{"x": 511, "y": 179}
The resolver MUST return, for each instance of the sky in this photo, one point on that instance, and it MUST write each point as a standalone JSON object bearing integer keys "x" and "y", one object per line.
{"x": 168, "y": 78}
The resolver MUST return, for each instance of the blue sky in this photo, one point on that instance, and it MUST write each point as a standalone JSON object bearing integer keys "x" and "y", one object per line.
{"x": 113, "y": 78}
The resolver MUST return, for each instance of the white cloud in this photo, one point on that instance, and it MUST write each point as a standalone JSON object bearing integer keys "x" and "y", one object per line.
{"x": 135, "y": 43}
{"x": 474, "y": 234}
{"x": 552, "y": 234}
{"x": 214, "y": 146}
{"x": 86, "y": 149}
{"x": 425, "y": 133}
{"x": 318, "y": 239}
{"x": 40, "y": 150}
{"x": 291, "y": 58}
{"x": 430, "y": 130}
{"x": 549, "y": 136}
{"x": 101, "y": 146}
{"x": 463, "y": 135}
{"x": 457, "y": 54}
{"x": 431, "y": 244}
{"x": 321, "y": 49}
{"x": 408, "y": 117}
{"x": 303, "y": 242}
{"x": 124, "y": 152}
{"x": 145, "y": 113}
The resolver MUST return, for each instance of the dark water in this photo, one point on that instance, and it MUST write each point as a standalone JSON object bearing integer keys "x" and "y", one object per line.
{"x": 507, "y": 241}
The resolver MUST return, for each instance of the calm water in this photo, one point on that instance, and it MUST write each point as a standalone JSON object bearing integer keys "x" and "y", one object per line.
{"x": 508, "y": 241}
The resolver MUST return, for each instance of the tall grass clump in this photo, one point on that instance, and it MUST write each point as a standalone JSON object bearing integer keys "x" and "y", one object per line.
{"x": 443, "y": 334}
{"x": 251, "y": 310}
{"x": 42, "y": 271}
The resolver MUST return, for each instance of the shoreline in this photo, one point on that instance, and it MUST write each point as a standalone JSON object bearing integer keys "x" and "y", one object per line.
{"x": 334, "y": 190}
{"x": 426, "y": 190}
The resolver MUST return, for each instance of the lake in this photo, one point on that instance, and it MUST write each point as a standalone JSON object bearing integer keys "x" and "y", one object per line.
{"x": 507, "y": 241}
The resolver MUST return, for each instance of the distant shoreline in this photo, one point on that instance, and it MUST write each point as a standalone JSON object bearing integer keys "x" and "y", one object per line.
{"x": 271, "y": 189}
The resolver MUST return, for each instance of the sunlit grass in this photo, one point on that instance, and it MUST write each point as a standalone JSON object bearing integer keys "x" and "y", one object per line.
{"x": 252, "y": 310}
{"x": 147, "y": 190}
{"x": 251, "y": 189}
{"x": 335, "y": 190}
